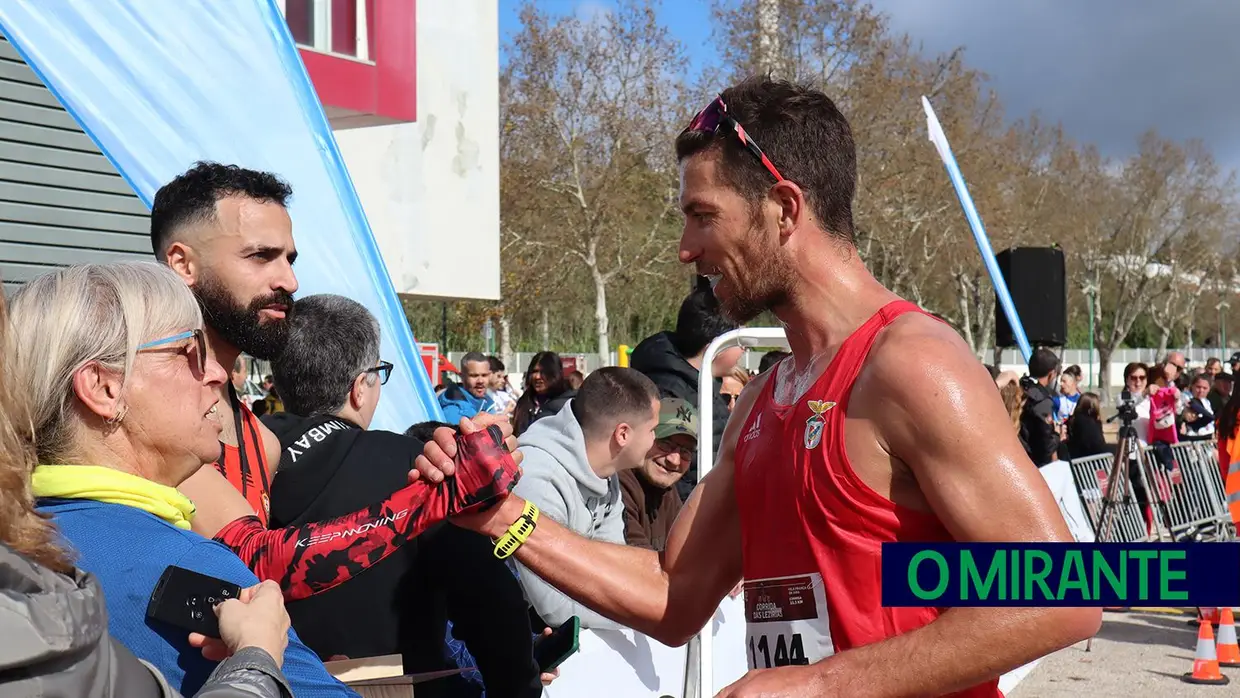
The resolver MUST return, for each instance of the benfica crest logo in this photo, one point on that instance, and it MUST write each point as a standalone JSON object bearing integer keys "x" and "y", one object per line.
{"x": 815, "y": 424}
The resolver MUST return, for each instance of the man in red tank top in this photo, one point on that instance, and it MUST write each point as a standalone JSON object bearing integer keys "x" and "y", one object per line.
{"x": 882, "y": 426}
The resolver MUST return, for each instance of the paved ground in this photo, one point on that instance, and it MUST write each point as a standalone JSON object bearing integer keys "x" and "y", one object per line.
{"x": 1135, "y": 654}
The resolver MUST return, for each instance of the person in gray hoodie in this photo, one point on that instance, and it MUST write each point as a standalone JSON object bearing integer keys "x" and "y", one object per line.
{"x": 571, "y": 466}
{"x": 56, "y": 642}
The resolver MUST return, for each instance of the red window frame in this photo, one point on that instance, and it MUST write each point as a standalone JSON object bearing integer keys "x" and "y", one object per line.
{"x": 386, "y": 85}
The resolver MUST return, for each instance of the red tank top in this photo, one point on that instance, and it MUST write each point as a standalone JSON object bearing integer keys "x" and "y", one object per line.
{"x": 245, "y": 466}
{"x": 812, "y": 530}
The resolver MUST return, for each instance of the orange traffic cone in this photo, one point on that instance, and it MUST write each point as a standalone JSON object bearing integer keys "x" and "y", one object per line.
{"x": 1227, "y": 650}
{"x": 1205, "y": 664}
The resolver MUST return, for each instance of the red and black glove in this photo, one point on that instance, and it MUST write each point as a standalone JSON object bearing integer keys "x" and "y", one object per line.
{"x": 485, "y": 472}
{"x": 318, "y": 556}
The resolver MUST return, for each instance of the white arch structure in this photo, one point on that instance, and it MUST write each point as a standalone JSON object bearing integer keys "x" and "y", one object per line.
{"x": 750, "y": 338}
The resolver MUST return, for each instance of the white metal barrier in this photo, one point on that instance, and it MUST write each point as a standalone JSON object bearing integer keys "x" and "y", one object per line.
{"x": 750, "y": 338}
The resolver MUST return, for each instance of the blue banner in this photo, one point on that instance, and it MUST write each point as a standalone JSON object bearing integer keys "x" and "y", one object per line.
{"x": 1061, "y": 574}
{"x": 159, "y": 85}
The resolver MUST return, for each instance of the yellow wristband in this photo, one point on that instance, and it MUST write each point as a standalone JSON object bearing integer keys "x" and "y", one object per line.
{"x": 518, "y": 532}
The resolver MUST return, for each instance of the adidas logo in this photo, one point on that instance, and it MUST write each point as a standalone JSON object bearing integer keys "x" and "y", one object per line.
{"x": 755, "y": 429}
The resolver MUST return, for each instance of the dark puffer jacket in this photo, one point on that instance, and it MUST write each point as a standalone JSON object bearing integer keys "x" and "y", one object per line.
{"x": 54, "y": 643}
{"x": 1037, "y": 423}
{"x": 657, "y": 357}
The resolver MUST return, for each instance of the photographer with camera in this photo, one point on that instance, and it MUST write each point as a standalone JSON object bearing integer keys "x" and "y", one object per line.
{"x": 1038, "y": 431}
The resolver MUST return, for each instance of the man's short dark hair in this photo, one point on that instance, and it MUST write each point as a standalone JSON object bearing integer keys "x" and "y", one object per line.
{"x": 1042, "y": 363}
{"x": 474, "y": 357}
{"x": 425, "y": 431}
{"x": 331, "y": 341}
{"x": 803, "y": 134}
{"x": 699, "y": 322}
{"x": 191, "y": 196}
{"x": 771, "y": 358}
{"x": 496, "y": 364}
{"x": 612, "y": 395}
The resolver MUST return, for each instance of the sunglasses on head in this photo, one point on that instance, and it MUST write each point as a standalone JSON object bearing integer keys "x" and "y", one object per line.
{"x": 715, "y": 116}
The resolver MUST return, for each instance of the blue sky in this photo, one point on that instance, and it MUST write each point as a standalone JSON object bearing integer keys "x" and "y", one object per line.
{"x": 688, "y": 20}
{"x": 1106, "y": 69}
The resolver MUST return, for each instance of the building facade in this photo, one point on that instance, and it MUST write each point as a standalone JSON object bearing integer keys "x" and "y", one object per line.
{"x": 411, "y": 90}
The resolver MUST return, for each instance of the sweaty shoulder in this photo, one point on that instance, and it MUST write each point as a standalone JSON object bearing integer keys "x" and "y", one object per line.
{"x": 920, "y": 372}
{"x": 918, "y": 355}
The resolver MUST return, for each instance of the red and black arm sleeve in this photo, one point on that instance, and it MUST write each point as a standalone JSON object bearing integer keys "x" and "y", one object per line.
{"x": 317, "y": 556}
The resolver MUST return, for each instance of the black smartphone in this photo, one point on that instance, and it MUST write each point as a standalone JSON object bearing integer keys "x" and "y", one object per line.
{"x": 186, "y": 599}
{"x": 550, "y": 651}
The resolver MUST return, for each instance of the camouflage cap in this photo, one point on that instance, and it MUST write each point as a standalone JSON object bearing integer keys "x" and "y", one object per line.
{"x": 676, "y": 416}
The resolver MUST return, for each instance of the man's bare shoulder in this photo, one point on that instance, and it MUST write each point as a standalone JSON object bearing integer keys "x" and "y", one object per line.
{"x": 920, "y": 362}
{"x": 271, "y": 445}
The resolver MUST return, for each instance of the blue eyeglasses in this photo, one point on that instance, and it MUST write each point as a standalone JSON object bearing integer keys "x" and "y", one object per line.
{"x": 200, "y": 346}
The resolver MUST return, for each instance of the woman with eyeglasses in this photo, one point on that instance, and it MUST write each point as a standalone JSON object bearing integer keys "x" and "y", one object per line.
{"x": 123, "y": 410}
{"x": 1137, "y": 389}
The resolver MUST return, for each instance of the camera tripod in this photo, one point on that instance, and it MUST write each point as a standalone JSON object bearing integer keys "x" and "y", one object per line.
{"x": 1127, "y": 454}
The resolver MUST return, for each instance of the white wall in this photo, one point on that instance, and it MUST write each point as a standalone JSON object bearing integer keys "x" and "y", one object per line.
{"x": 430, "y": 189}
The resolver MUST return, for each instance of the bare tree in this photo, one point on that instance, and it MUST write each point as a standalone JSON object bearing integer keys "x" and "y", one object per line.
{"x": 1130, "y": 218}
{"x": 593, "y": 106}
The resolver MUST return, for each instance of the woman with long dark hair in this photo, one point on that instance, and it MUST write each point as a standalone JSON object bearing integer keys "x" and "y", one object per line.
{"x": 546, "y": 391}
{"x": 1085, "y": 428}
{"x": 1227, "y": 420}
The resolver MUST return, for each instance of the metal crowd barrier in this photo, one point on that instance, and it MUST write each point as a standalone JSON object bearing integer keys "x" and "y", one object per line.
{"x": 1190, "y": 505}
{"x": 1198, "y": 503}
{"x": 1090, "y": 475}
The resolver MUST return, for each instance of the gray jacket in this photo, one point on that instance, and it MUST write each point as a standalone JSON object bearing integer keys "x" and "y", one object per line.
{"x": 556, "y": 476}
{"x": 54, "y": 643}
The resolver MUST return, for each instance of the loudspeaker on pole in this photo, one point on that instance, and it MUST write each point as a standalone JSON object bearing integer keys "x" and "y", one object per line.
{"x": 1036, "y": 279}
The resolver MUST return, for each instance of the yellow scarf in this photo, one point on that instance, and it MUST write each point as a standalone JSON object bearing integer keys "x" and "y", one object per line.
{"x": 115, "y": 487}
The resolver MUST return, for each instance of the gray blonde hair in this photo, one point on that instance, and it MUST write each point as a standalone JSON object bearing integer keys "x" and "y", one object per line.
{"x": 63, "y": 320}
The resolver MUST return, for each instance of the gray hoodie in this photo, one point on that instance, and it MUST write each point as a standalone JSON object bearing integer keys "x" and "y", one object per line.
{"x": 54, "y": 643}
{"x": 556, "y": 476}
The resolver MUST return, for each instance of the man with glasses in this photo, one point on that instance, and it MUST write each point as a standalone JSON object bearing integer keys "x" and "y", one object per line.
{"x": 331, "y": 379}
{"x": 651, "y": 502}
{"x": 883, "y": 426}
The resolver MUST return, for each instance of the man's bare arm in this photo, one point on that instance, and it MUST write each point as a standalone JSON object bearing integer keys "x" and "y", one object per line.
{"x": 668, "y": 596}
{"x": 943, "y": 418}
{"x": 271, "y": 445}
{"x": 216, "y": 502}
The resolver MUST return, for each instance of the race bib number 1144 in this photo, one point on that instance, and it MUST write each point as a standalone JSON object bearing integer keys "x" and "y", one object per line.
{"x": 787, "y": 621}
